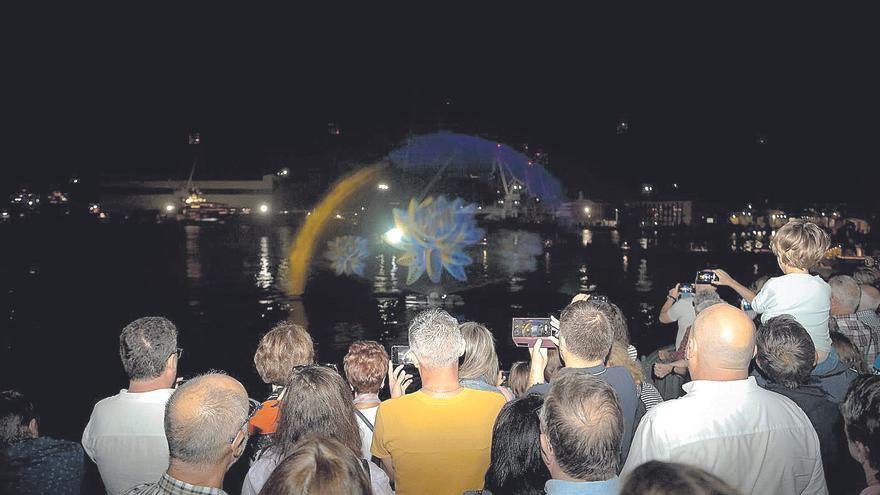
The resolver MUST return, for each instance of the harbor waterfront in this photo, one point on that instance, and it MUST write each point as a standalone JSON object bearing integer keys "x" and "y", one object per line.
{"x": 224, "y": 285}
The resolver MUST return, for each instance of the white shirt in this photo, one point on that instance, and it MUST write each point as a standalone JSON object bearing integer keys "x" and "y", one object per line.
{"x": 805, "y": 297}
{"x": 682, "y": 312}
{"x": 126, "y": 438}
{"x": 758, "y": 441}
{"x": 366, "y": 432}
{"x": 262, "y": 468}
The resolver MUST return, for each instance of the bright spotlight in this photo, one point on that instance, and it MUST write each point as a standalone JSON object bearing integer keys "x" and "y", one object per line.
{"x": 169, "y": 208}
{"x": 393, "y": 236}
{"x": 587, "y": 210}
{"x": 264, "y": 208}
{"x": 383, "y": 186}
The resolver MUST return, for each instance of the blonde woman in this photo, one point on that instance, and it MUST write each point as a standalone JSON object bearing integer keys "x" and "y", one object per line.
{"x": 480, "y": 370}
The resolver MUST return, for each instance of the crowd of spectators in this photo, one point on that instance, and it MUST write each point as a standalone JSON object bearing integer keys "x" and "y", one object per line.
{"x": 790, "y": 405}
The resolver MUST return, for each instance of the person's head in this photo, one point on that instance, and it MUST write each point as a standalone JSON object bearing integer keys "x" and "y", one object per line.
{"x": 581, "y": 428}
{"x": 18, "y": 418}
{"x": 845, "y": 295}
{"x": 285, "y": 346}
{"x": 704, "y": 299}
{"x": 870, "y": 299}
{"x": 318, "y": 466}
{"x": 861, "y": 416}
{"x": 480, "y": 360}
{"x": 585, "y": 332}
{"x": 516, "y": 466}
{"x": 867, "y": 276}
{"x": 799, "y": 244}
{"x": 721, "y": 344}
{"x": 554, "y": 364}
{"x": 318, "y": 402}
{"x": 365, "y": 365}
{"x": 671, "y": 478}
{"x": 620, "y": 357}
{"x": 786, "y": 353}
{"x": 148, "y": 349}
{"x": 619, "y": 326}
{"x": 206, "y": 421}
{"x": 758, "y": 284}
{"x": 434, "y": 339}
{"x": 519, "y": 378}
{"x": 848, "y": 353}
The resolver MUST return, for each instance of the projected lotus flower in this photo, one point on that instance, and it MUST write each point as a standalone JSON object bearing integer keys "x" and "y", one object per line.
{"x": 347, "y": 255}
{"x": 517, "y": 251}
{"x": 435, "y": 233}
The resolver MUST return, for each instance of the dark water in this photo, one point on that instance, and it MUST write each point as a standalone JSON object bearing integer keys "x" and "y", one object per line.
{"x": 68, "y": 291}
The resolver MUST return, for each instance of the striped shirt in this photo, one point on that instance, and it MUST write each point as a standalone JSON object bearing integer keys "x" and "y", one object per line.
{"x": 863, "y": 329}
{"x": 171, "y": 486}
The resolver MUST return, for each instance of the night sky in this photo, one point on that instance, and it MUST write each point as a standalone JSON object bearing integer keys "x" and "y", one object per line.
{"x": 112, "y": 92}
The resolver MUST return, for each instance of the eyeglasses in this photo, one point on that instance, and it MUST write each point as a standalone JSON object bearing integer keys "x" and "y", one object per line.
{"x": 332, "y": 366}
{"x": 253, "y": 407}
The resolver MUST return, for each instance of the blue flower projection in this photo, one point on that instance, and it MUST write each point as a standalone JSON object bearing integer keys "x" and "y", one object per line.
{"x": 434, "y": 236}
{"x": 516, "y": 251}
{"x": 347, "y": 255}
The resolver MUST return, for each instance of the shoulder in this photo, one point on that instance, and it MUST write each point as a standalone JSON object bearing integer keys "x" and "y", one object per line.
{"x": 618, "y": 376}
{"x": 492, "y": 398}
{"x": 144, "y": 489}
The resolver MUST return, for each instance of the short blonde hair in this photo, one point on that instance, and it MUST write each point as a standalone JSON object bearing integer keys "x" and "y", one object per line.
{"x": 285, "y": 346}
{"x": 800, "y": 244}
{"x": 480, "y": 360}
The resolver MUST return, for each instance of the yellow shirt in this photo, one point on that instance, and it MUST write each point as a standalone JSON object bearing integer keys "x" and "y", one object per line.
{"x": 438, "y": 446}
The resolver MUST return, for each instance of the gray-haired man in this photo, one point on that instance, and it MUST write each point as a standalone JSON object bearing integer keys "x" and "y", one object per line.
{"x": 125, "y": 436}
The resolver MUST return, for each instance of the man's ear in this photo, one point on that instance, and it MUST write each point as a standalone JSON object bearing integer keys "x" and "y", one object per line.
{"x": 691, "y": 349}
{"x": 34, "y": 428}
{"x": 239, "y": 444}
{"x": 546, "y": 450}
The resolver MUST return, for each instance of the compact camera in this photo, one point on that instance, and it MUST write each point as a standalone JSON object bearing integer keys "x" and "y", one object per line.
{"x": 400, "y": 355}
{"x": 525, "y": 331}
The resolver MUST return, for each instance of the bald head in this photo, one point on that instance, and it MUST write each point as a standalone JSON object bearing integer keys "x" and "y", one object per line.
{"x": 870, "y": 298}
{"x": 724, "y": 341}
{"x": 203, "y": 417}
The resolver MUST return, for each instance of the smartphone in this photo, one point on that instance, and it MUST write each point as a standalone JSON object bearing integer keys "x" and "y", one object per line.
{"x": 525, "y": 331}
{"x": 597, "y": 298}
{"x": 706, "y": 277}
{"x": 745, "y": 305}
{"x": 686, "y": 289}
{"x": 399, "y": 355}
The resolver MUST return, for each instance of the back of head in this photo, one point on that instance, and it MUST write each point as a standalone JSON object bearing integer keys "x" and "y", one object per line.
{"x": 317, "y": 402}
{"x": 365, "y": 365}
{"x": 480, "y": 359}
{"x": 848, "y": 353}
{"x": 203, "y": 417}
{"x": 870, "y": 298}
{"x": 16, "y": 413}
{"x": 846, "y": 293}
{"x": 318, "y": 466}
{"x": 516, "y": 465}
{"x": 704, "y": 299}
{"x": 725, "y": 341}
{"x": 145, "y": 346}
{"x": 518, "y": 381}
{"x": 800, "y": 244}
{"x": 861, "y": 415}
{"x": 620, "y": 357}
{"x": 435, "y": 339}
{"x": 669, "y": 478}
{"x": 582, "y": 420}
{"x": 785, "y": 351}
{"x": 285, "y": 346}
{"x": 585, "y": 330}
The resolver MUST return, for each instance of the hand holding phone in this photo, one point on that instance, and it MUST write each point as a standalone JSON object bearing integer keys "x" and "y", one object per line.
{"x": 706, "y": 277}
{"x": 526, "y": 331}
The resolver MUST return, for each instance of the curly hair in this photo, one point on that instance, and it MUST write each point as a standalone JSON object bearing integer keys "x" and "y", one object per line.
{"x": 285, "y": 346}
{"x": 800, "y": 244}
{"x": 365, "y": 365}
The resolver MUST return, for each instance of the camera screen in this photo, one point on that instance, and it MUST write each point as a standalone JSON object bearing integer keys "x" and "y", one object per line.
{"x": 399, "y": 354}
{"x": 532, "y": 327}
{"x": 706, "y": 277}
{"x": 686, "y": 288}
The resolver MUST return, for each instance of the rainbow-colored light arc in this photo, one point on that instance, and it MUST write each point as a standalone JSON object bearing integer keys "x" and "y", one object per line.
{"x": 315, "y": 224}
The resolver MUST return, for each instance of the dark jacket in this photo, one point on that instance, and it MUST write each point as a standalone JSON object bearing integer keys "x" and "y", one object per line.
{"x": 41, "y": 465}
{"x": 842, "y": 473}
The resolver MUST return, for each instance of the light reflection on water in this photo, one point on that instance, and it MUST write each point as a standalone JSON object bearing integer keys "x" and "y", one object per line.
{"x": 264, "y": 277}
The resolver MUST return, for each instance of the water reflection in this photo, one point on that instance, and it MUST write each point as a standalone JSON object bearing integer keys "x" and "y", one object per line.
{"x": 193, "y": 261}
{"x": 586, "y": 237}
{"x": 643, "y": 284}
{"x": 264, "y": 277}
